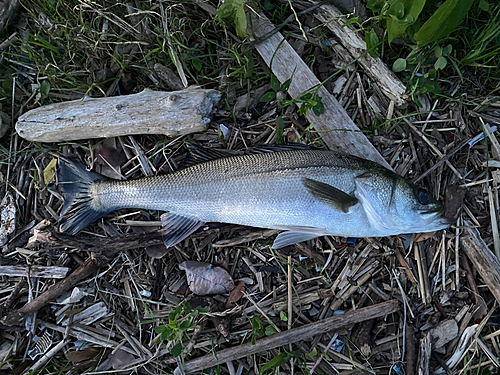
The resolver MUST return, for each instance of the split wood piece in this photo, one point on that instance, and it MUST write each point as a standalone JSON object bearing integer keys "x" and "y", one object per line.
{"x": 337, "y": 129}
{"x": 89, "y": 267}
{"x": 425, "y": 355}
{"x": 52, "y": 272}
{"x": 486, "y": 263}
{"x": 378, "y": 71}
{"x": 294, "y": 335}
{"x": 148, "y": 112}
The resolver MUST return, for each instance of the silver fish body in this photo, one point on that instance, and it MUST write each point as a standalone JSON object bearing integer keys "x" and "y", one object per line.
{"x": 307, "y": 193}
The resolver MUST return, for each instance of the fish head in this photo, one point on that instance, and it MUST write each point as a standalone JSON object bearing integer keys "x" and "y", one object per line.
{"x": 395, "y": 206}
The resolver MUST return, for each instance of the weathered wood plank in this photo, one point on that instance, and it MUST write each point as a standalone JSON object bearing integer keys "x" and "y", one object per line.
{"x": 337, "y": 129}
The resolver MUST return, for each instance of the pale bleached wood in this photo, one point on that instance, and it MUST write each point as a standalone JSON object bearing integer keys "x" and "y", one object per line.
{"x": 378, "y": 71}
{"x": 486, "y": 263}
{"x": 293, "y": 335}
{"x": 148, "y": 112}
{"x": 47, "y": 272}
{"x": 337, "y": 129}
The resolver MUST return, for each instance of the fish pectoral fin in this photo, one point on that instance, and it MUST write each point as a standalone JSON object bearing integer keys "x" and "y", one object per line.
{"x": 292, "y": 237}
{"x": 178, "y": 226}
{"x": 330, "y": 195}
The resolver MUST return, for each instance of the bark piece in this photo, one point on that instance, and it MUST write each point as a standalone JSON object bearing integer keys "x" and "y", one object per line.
{"x": 148, "y": 112}
{"x": 338, "y": 130}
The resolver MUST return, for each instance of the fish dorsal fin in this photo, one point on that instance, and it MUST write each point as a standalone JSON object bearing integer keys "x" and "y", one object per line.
{"x": 265, "y": 148}
{"x": 198, "y": 155}
{"x": 330, "y": 195}
{"x": 178, "y": 226}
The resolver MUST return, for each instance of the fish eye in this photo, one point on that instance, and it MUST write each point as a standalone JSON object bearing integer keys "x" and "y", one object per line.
{"x": 423, "y": 197}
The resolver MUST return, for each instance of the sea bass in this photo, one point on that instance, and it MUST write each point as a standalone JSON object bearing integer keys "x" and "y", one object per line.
{"x": 305, "y": 193}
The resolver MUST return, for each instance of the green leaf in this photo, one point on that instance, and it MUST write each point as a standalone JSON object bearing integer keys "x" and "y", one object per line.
{"x": 256, "y": 324}
{"x": 375, "y": 5}
{"x": 185, "y": 325}
{"x": 484, "y": 5}
{"x": 286, "y": 84}
{"x": 397, "y": 9}
{"x": 443, "y": 21}
{"x": 176, "y": 350}
{"x": 279, "y": 360}
{"x": 312, "y": 354}
{"x": 351, "y": 21}
{"x": 440, "y": 63}
{"x": 160, "y": 329}
{"x": 233, "y": 11}
{"x": 411, "y": 11}
{"x": 268, "y": 97}
{"x": 319, "y": 108}
{"x": 270, "y": 330}
{"x": 45, "y": 88}
{"x": 399, "y": 65}
{"x": 438, "y": 51}
{"x": 447, "y": 50}
{"x": 283, "y": 316}
{"x": 196, "y": 63}
{"x": 275, "y": 83}
{"x": 372, "y": 41}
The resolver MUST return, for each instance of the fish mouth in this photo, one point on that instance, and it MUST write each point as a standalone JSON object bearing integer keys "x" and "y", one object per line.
{"x": 435, "y": 217}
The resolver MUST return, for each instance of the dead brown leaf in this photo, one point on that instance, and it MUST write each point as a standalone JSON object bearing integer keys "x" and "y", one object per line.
{"x": 235, "y": 294}
{"x": 204, "y": 278}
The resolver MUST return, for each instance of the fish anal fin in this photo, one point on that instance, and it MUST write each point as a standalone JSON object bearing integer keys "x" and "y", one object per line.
{"x": 330, "y": 195}
{"x": 178, "y": 226}
{"x": 291, "y": 237}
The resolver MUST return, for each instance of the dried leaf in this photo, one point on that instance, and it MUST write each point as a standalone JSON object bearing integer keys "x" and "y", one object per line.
{"x": 7, "y": 218}
{"x": 424, "y": 236}
{"x": 49, "y": 173}
{"x": 77, "y": 356}
{"x": 204, "y": 278}
{"x": 120, "y": 359}
{"x": 235, "y": 294}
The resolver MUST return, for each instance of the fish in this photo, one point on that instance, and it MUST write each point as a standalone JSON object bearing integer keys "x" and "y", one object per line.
{"x": 306, "y": 193}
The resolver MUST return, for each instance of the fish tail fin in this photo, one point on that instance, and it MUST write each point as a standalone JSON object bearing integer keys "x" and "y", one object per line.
{"x": 79, "y": 209}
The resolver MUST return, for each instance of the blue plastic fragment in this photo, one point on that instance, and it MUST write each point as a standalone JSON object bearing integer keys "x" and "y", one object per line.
{"x": 352, "y": 240}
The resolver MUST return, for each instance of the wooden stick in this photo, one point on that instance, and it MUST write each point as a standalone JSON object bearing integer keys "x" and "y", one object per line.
{"x": 336, "y": 127}
{"x": 148, "y": 112}
{"x": 290, "y": 336}
{"x": 486, "y": 263}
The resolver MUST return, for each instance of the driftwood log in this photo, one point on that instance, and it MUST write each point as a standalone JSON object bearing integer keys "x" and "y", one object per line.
{"x": 337, "y": 129}
{"x": 148, "y": 112}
